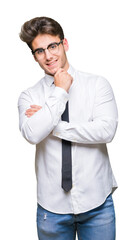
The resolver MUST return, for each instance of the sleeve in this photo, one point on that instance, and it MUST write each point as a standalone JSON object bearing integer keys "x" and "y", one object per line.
{"x": 102, "y": 128}
{"x": 40, "y": 125}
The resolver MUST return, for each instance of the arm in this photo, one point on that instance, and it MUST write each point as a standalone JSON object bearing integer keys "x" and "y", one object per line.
{"x": 37, "y": 122}
{"x": 41, "y": 123}
{"x": 102, "y": 128}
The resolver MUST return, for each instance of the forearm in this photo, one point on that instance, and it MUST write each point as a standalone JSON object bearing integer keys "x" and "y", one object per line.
{"x": 40, "y": 125}
{"x": 94, "y": 132}
{"x": 102, "y": 124}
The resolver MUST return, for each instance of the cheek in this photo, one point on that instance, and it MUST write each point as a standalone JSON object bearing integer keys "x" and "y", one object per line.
{"x": 63, "y": 57}
{"x": 42, "y": 65}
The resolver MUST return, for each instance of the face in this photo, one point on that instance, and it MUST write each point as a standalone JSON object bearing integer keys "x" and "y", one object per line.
{"x": 51, "y": 63}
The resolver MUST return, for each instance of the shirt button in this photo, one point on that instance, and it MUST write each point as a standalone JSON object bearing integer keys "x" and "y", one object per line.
{"x": 57, "y": 134}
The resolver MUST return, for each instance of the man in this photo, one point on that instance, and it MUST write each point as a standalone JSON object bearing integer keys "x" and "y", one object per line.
{"x": 70, "y": 116}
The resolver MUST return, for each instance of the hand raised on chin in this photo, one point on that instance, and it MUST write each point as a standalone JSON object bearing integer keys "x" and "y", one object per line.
{"x": 63, "y": 79}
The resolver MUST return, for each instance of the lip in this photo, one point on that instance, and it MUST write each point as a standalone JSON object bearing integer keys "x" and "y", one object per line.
{"x": 51, "y": 64}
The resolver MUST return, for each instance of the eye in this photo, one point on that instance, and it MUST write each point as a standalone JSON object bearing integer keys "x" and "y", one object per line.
{"x": 52, "y": 46}
{"x": 40, "y": 51}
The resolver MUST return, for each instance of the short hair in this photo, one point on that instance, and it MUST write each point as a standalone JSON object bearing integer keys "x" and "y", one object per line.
{"x": 40, "y": 25}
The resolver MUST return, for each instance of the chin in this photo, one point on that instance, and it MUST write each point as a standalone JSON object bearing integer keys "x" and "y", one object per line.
{"x": 51, "y": 72}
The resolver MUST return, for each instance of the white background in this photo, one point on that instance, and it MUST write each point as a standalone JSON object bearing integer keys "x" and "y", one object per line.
{"x": 102, "y": 39}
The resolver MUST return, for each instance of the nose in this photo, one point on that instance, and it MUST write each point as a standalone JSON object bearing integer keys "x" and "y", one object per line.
{"x": 48, "y": 55}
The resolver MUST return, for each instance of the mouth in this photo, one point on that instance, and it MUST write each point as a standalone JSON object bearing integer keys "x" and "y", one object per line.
{"x": 52, "y": 64}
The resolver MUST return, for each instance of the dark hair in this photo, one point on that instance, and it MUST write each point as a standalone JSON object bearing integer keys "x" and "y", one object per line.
{"x": 40, "y": 25}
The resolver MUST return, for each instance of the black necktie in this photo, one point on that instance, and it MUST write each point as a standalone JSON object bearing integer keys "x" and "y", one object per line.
{"x": 66, "y": 158}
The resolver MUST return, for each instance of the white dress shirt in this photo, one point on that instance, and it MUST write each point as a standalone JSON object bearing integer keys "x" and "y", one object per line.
{"x": 93, "y": 121}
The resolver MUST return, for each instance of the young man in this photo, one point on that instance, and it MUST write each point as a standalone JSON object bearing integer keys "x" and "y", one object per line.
{"x": 70, "y": 116}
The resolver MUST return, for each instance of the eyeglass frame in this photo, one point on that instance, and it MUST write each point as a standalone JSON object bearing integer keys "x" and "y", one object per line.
{"x": 33, "y": 52}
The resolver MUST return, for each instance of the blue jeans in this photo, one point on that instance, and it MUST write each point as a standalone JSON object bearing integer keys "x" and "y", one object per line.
{"x": 97, "y": 224}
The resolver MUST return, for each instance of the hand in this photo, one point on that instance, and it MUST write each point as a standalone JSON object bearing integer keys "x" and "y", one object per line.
{"x": 63, "y": 79}
{"x": 33, "y": 109}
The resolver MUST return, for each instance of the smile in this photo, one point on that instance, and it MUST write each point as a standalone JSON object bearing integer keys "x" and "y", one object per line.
{"x": 52, "y": 63}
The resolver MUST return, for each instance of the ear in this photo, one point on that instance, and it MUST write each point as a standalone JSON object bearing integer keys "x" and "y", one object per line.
{"x": 65, "y": 44}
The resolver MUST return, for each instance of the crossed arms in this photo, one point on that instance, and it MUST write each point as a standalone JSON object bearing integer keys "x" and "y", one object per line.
{"x": 37, "y": 122}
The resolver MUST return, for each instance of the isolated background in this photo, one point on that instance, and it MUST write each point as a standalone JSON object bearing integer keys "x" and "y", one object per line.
{"x": 102, "y": 39}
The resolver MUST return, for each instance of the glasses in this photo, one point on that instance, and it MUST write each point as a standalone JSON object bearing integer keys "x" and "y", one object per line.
{"x": 53, "y": 48}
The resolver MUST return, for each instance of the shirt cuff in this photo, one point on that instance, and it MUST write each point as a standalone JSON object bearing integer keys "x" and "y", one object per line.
{"x": 61, "y": 130}
{"x": 61, "y": 94}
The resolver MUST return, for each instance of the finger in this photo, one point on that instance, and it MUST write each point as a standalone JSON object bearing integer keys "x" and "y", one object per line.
{"x": 35, "y": 106}
{"x": 29, "y": 111}
{"x": 29, "y": 114}
{"x": 35, "y": 109}
{"x": 60, "y": 70}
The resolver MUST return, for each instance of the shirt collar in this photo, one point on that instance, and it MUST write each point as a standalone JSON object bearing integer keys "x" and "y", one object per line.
{"x": 50, "y": 79}
{"x": 71, "y": 70}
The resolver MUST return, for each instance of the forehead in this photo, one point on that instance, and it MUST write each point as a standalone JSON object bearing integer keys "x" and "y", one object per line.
{"x": 43, "y": 40}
